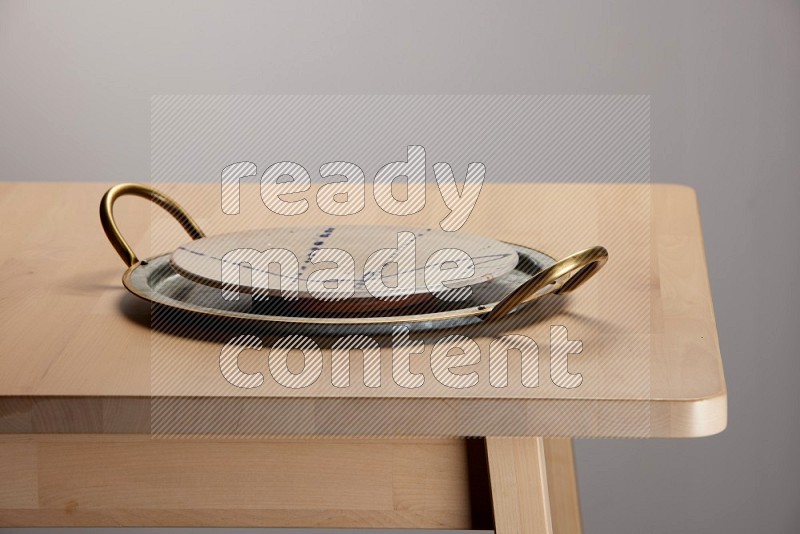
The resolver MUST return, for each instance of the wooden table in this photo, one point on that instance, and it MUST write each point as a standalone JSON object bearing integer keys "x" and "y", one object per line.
{"x": 76, "y": 386}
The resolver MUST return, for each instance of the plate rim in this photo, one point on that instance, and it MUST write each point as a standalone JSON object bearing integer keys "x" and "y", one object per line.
{"x": 212, "y": 282}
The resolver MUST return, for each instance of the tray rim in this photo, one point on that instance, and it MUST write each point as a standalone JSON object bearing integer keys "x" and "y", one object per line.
{"x": 155, "y": 297}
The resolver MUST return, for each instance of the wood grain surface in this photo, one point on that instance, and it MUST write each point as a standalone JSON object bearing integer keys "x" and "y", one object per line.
{"x": 534, "y": 489}
{"x": 124, "y": 480}
{"x": 76, "y": 350}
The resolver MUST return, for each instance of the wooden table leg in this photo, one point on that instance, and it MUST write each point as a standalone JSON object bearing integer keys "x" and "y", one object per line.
{"x": 533, "y": 485}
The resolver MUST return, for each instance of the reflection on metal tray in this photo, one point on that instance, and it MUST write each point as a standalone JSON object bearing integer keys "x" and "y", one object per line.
{"x": 157, "y": 282}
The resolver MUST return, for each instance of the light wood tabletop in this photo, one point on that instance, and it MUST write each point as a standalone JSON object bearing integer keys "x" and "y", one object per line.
{"x": 81, "y": 370}
{"x": 74, "y": 340}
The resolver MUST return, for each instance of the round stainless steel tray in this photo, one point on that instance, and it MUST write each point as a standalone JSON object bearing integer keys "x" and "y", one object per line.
{"x": 535, "y": 275}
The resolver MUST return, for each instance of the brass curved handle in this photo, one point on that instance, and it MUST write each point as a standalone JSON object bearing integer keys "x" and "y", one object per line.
{"x": 110, "y": 226}
{"x": 583, "y": 264}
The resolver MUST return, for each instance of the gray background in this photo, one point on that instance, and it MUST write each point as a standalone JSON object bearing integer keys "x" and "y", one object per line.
{"x": 724, "y": 76}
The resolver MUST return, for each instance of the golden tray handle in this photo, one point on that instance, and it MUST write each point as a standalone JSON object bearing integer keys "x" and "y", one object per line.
{"x": 110, "y": 226}
{"x": 583, "y": 265}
